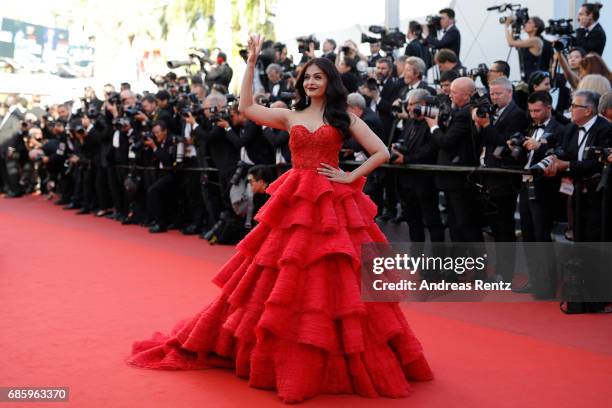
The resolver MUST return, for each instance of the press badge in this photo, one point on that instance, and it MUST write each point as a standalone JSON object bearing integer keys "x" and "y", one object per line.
{"x": 567, "y": 187}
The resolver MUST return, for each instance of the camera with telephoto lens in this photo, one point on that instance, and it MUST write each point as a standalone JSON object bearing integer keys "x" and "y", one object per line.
{"x": 564, "y": 42}
{"x": 390, "y": 40}
{"x": 519, "y": 16}
{"x": 430, "y": 108}
{"x": 219, "y": 114}
{"x": 133, "y": 111}
{"x": 480, "y": 72}
{"x": 560, "y": 27}
{"x": 513, "y": 148}
{"x": 121, "y": 122}
{"x": 433, "y": 23}
{"x": 305, "y": 41}
{"x": 483, "y": 106}
{"x": 114, "y": 98}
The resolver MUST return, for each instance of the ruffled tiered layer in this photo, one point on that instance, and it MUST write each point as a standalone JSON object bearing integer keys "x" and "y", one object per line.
{"x": 289, "y": 316}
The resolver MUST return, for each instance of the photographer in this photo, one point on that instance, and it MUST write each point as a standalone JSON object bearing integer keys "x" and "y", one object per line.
{"x": 259, "y": 178}
{"x": 590, "y": 36}
{"x": 499, "y": 131}
{"x": 414, "y": 71}
{"x": 539, "y": 198}
{"x": 348, "y": 74}
{"x": 220, "y": 73}
{"x": 415, "y": 46}
{"x": 451, "y": 37}
{"x": 590, "y": 64}
{"x": 417, "y": 190}
{"x": 277, "y": 87}
{"x": 531, "y": 49}
{"x": 247, "y": 136}
{"x": 447, "y": 60}
{"x": 329, "y": 46}
{"x": 583, "y": 166}
{"x": 458, "y": 146}
{"x": 374, "y": 54}
{"x": 166, "y": 181}
{"x": 213, "y": 142}
{"x": 187, "y": 158}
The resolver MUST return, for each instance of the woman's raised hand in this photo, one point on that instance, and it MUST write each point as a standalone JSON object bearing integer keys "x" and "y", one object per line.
{"x": 254, "y": 46}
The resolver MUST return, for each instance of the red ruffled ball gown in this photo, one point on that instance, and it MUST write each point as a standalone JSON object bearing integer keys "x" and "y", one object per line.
{"x": 289, "y": 316}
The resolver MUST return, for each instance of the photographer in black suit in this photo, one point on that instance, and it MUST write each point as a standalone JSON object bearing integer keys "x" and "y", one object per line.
{"x": 497, "y": 134}
{"x": 415, "y": 46}
{"x": 459, "y": 146}
{"x": 451, "y": 37}
{"x": 539, "y": 198}
{"x": 162, "y": 147}
{"x": 575, "y": 161}
{"x": 591, "y": 36}
{"x": 218, "y": 151}
{"x": 417, "y": 189}
{"x": 247, "y": 136}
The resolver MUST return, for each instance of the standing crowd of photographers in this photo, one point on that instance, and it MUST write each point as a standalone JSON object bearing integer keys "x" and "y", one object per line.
{"x": 133, "y": 158}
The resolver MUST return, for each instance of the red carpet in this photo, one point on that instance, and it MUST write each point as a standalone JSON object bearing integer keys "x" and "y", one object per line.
{"x": 75, "y": 291}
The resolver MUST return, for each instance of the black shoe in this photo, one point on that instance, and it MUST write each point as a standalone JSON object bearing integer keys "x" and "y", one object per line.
{"x": 61, "y": 202}
{"x": 203, "y": 234}
{"x": 172, "y": 227}
{"x": 83, "y": 211}
{"x": 526, "y": 288}
{"x": 190, "y": 230}
{"x": 12, "y": 194}
{"x": 72, "y": 206}
{"x": 128, "y": 221}
{"x": 157, "y": 229}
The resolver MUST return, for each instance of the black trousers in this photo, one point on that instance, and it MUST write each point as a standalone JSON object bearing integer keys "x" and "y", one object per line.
{"x": 190, "y": 186}
{"x": 103, "y": 193}
{"x": 158, "y": 196}
{"x": 536, "y": 227}
{"x": 463, "y": 207}
{"x": 420, "y": 207}
{"x": 501, "y": 220}
{"x": 90, "y": 199}
{"x": 116, "y": 177}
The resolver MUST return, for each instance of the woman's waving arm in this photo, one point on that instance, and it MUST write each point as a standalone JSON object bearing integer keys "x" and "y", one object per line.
{"x": 272, "y": 117}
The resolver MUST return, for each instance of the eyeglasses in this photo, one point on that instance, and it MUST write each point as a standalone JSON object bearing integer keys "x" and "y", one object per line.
{"x": 574, "y": 106}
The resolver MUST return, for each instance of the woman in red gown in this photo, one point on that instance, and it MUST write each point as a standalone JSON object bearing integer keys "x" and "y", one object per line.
{"x": 289, "y": 316}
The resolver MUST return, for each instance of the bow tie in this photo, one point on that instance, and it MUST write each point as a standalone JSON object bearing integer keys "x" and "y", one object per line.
{"x": 582, "y": 128}
{"x": 539, "y": 126}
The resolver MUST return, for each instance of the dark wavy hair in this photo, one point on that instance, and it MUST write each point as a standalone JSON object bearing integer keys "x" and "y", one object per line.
{"x": 335, "y": 113}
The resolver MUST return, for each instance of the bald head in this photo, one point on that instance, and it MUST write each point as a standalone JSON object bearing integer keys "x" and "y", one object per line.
{"x": 461, "y": 91}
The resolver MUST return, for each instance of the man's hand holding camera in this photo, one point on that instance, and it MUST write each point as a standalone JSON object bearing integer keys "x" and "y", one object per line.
{"x": 150, "y": 143}
{"x": 480, "y": 122}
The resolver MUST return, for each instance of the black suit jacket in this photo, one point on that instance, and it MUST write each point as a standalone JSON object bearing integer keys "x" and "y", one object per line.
{"x": 451, "y": 40}
{"x": 547, "y": 188}
{"x": 417, "y": 148}
{"x": 600, "y": 135}
{"x": 512, "y": 120}
{"x": 459, "y": 145}
{"x": 278, "y": 139}
{"x": 417, "y": 49}
{"x": 374, "y": 123}
{"x": 595, "y": 41}
{"x": 388, "y": 94}
{"x": 213, "y": 143}
{"x": 250, "y": 137}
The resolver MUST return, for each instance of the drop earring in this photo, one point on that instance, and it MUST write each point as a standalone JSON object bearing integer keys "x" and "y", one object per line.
{"x": 307, "y": 101}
